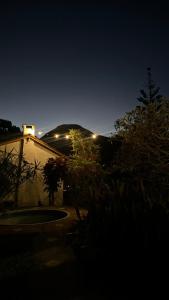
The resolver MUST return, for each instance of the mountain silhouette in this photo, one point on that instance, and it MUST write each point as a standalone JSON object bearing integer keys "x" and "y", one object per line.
{"x": 64, "y": 145}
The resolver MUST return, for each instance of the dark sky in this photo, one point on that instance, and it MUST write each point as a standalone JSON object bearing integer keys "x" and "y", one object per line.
{"x": 79, "y": 63}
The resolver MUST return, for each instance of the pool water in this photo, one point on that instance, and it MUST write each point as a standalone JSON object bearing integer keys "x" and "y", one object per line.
{"x": 32, "y": 217}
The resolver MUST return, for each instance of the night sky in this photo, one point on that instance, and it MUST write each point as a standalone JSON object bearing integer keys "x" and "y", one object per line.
{"x": 79, "y": 63}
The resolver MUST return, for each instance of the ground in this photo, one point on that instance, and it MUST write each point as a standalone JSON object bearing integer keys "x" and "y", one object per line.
{"x": 39, "y": 263}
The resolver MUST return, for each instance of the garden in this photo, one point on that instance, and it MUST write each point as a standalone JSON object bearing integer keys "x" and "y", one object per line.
{"x": 126, "y": 203}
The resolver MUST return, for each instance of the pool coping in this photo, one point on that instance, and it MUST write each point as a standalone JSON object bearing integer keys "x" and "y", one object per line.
{"x": 34, "y": 209}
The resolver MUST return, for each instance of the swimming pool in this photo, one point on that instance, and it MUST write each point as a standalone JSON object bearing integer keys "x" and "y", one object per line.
{"x": 31, "y": 217}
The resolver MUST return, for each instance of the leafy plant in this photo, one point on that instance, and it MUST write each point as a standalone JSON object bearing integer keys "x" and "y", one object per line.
{"x": 85, "y": 172}
{"x": 53, "y": 171}
{"x": 145, "y": 133}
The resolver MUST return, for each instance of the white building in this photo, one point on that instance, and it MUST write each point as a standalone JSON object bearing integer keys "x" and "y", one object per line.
{"x": 31, "y": 193}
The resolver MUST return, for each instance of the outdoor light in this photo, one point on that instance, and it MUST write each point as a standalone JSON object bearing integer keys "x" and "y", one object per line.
{"x": 94, "y": 136}
{"x": 56, "y": 136}
{"x": 67, "y": 136}
{"x": 40, "y": 132}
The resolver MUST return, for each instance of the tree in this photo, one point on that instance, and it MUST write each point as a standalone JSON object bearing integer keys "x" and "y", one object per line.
{"x": 6, "y": 127}
{"x": 152, "y": 93}
{"x": 54, "y": 171}
{"x": 144, "y": 152}
{"x": 139, "y": 177}
{"x": 85, "y": 172}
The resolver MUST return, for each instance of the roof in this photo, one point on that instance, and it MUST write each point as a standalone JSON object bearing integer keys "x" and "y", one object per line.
{"x": 14, "y": 138}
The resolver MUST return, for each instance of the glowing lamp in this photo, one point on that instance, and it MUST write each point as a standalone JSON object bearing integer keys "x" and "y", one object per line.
{"x": 56, "y": 136}
{"x": 94, "y": 136}
{"x": 67, "y": 136}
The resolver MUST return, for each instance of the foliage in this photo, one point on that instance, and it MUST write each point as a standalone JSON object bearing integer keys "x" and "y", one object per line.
{"x": 131, "y": 219}
{"x": 84, "y": 148}
{"x": 9, "y": 172}
{"x": 144, "y": 152}
{"x": 85, "y": 177}
{"x": 135, "y": 214}
{"x": 134, "y": 218}
{"x": 83, "y": 168}
{"x": 7, "y": 127}
{"x": 53, "y": 171}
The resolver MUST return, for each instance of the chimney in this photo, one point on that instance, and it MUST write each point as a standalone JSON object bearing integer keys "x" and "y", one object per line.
{"x": 28, "y": 129}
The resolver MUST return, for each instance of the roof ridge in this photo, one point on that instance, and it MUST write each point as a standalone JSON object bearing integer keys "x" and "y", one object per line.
{"x": 36, "y": 139}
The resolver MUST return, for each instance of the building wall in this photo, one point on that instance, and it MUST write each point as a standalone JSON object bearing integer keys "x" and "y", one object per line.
{"x": 31, "y": 193}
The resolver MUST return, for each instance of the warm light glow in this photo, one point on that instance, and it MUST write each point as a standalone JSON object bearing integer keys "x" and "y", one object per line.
{"x": 28, "y": 129}
{"x": 56, "y": 136}
{"x": 94, "y": 136}
{"x": 40, "y": 132}
{"x": 67, "y": 136}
